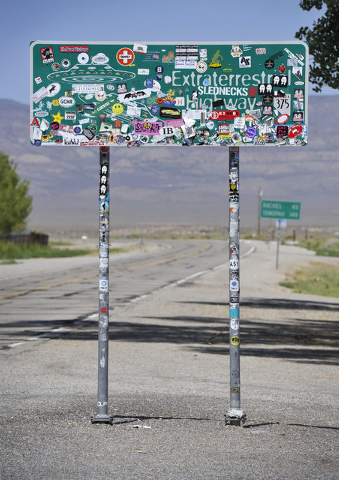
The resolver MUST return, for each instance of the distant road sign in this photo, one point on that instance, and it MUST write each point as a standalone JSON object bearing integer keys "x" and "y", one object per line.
{"x": 272, "y": 209}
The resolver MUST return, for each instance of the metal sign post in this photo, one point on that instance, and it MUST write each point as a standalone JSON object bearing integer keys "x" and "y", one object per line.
{"x": 278, "y": 241}
{"x": 234, "y": 416}
{"x": 102, "y": 405}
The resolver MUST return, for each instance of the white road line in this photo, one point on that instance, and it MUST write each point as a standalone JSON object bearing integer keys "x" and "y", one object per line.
{"x": 136, "y": 299}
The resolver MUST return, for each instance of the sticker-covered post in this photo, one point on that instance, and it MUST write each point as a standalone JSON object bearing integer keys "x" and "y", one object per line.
{"x": 102, "y": 404}
{"x": 234, "y": 416}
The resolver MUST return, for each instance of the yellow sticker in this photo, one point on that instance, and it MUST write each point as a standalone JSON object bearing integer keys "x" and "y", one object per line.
{"x": 235, "y": 340}
{"x": 117, "y": 108}
{"x": 234, "y": 390}
{"x": 55, "y": 102}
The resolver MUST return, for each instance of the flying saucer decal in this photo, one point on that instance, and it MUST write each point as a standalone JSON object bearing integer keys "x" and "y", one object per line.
{"x": 91, "y": 74}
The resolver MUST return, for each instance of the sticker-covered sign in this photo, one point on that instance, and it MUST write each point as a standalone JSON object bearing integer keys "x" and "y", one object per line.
{"x": 172, "y": 94}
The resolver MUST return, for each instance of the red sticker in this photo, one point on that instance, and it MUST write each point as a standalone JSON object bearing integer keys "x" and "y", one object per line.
{"x": 252, "y": 92}
{"x": 224, "y": 114}
{"x": 103, "y": 310}
{"x": 125, "y": 56}
{"x": 72, "y": 48}
{"x": 295, "y": 131}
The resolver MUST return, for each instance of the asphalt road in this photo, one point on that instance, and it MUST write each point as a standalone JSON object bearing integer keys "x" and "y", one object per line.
{"x": 169, "y": 377}
{"x": 43, "y": 297}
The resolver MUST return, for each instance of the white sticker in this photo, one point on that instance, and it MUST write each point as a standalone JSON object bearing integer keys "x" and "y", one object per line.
{"x": 239, "y": 122}
{"x": 103, "y": 285}
{"x": 167, "y": 79}
{"x": 66, "y": 102}
{"x": 100, "y": 59}
{"x": 234, "y": 324}
{"x": 244, "y": 62}
{"x": 283, "y": 104}
{"x": 143, "y": 71}
{"x": 38, "y": 80}
{"x": 53, "y": 89}
{"x": 234, "y": 285}
{"x": 83, "y": 58}
{"x": 87, "y": 88}
{"x": 40, "y": 94}
{"x": 133, "y": 111}
{"x": 140, "y": 48}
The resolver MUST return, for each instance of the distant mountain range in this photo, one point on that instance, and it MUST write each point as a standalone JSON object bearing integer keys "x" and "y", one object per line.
{"x": 177, "y": 185}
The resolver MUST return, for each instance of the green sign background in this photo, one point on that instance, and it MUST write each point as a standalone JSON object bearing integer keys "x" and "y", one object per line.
{"x": 272, "y": 209}
{"x": 133, "y": 94}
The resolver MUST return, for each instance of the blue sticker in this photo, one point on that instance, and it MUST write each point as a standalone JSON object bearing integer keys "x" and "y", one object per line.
{"x": 149, "y": 82}
{"x": 37, "y": 143}
{"x": 154, "y": 110}
{"x": 77, "y": 130}
{"x": 234, "y": 312}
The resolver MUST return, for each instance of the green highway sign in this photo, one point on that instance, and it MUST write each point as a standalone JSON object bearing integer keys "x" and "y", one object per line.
{"x": 171, "y": 93}
{"x": 280, "y": 210}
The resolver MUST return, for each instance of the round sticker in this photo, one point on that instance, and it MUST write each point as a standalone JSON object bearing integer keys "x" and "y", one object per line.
{"x": 235, "y": 340}
{"x": 252, "y": 92}
{"x": 210, "y": 125}
{"x": 234, "y": 390}
{"x": 37, "y": 143}
{"x": 110, "y": 87}
{"x": 103, "y": 310}
{"x": 56, "y": 67}
{"x": 206, "y": 82}
{"x": 295, "y": 131}
{"x": 251, "y": 132}
{"x": 77, "y": 129}
{"x": 53, "y": 89}
{"x": 167, "y": 79}
{"x": 159, "y": 69}
{"x": 154, "y": 110}
{"x": 282, "y": 118}
{"x": 269, "y": 64}
{"x": 201, "y": 67}
{"x": 55, "y": 102}
{"x": 55, "y": 125}
{"x": 159, "y": 101}
{"x": 65, "y": 63}
{"x": 125, "y": 56}
{"x": 83, "y": 58}
{"x": 100, "y": 96}
{"x": 117, "y": 108}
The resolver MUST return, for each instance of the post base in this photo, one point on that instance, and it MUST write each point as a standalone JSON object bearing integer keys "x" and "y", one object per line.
{"x": 235, "y": 416}
{"x": 102, "y": 419}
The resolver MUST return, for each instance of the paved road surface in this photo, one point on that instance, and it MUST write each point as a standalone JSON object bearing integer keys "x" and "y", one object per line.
{"x": 41, "y": 296}
{"x": 169, "y": 384}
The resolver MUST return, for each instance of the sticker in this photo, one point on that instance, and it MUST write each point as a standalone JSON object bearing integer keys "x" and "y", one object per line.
{"x": 234, "y": 264}
{"x": 251, "y": 132}
{"x": 83, "y": 58}
{"x": 298, "y": 93}
{"x": 56, "y": 67}
{"x": 244, "y": 62}
{"x": 280, "y": 80}
{"x": 135, "y": 95}
{"x": 166, "y": 112}
{"x": 216, "y": 59}
{"x": 234, "y": 324}
{"x": 235, "y": 340}
{"x": 159, "y": 69}
{"x": 298, "y": 116}
{"x": 100, "y": 96}
{"x": 35, "y": 122}
{"x": 218, "y": 103}
{"x": 47, "y": 54}
{"x": 73, "y": 49}
{"x": 260, "y": 51}
{"x": 234, "y": 312}
{"x": 40, "y": 94}
{"x": 201, "y": 67}
{"x": 228, "y": 69}
{"x": 283, "y": 104}
{"x": 53, "y": 89}
{"x": 133, "y": 111}
{"x": 55, "y": 102}
{"x": 282, "y": 119}
{"x": 267, "y": 110}
{"x": 87, "y": 88}
{"x": 100, "y": 59}
{"x": 174, "y": 123}
{"x": 103, "y": 310}
{"x": 252, "y": 92}
{"x": 103, "y": 285}
{"x": 66, "y": 102}
{"x": 269, "y": 64}
{"x": 125, "y": 56}
{"x": 147, "y": 128}
{"x": 299, "y": 83}
{"x": 140, "y": 48}
{"x": 224, "y": 114}
{"x": 38, "y": 80}
{"x": 234, "y": 390}
{"x": 65, "y": 63}
{"x": 234, "y": 285}
{"x": 295, "y": 131}
{"x": 298, "y": 72}
{"x": 236, "y": 51}
{"x": 282, "y": 131}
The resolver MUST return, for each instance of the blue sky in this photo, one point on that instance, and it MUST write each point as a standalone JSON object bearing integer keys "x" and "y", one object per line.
{"x": 135, "y": 21}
